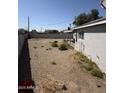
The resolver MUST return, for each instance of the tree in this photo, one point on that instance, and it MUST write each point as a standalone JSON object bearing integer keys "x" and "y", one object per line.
{"x": 84, "y": 18}
{"x": 94, "y": 14}
{"x": 69, "y": 28}
{"x": 33, "y": 31}
{"x": 22, "y": 30}
{"x": 81, "y": 19}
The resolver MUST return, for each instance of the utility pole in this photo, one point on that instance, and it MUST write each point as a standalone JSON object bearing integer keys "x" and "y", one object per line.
{"x": 28, "y": 24}
{"x": 28, "y": 27}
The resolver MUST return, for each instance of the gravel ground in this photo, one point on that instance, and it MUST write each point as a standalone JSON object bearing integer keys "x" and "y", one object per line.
{"x": 55, "y": 71}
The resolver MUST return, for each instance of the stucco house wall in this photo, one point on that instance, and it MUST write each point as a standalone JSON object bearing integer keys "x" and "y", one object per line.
{"x": 93, "y": 44}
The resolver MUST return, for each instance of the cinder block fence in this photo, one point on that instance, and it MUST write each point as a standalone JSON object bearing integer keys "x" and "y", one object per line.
{"x": 21, "y": 39}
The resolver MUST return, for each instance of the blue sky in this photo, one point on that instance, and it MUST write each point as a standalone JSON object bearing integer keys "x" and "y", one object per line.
{"x": 53, "y": 14}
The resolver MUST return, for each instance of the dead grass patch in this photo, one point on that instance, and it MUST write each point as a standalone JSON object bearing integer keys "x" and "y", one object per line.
{"x": 49, "y": 49}
{"x": 88, "y": 64}
{"x": 35, "y": 47}
{"x": 65, "y": 46}
{"x": 54, "y": 44}
{"x": 53, "y": 63}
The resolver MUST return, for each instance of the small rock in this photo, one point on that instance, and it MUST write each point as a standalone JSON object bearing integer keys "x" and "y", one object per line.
{"x": 53, "y": 86}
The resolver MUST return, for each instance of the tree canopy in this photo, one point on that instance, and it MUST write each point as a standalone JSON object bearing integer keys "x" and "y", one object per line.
{"x": 84, "y": 18}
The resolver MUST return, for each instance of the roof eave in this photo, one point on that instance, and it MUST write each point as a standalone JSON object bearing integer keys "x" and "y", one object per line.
{"x": 89, "y": 25}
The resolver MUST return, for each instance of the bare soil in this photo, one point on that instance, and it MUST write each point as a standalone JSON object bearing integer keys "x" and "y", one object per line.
{"x": 56, "y": 71}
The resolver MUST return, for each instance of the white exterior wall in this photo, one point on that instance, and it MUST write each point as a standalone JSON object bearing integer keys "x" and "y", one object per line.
{"x": 94, "y": 45}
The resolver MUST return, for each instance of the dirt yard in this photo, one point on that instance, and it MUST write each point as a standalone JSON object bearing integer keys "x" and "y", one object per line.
{"x": 56, "y": 71}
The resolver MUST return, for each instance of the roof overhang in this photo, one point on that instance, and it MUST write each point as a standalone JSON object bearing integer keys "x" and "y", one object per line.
{"x": 68, "y": 31}
{"x": 92, "y": 23}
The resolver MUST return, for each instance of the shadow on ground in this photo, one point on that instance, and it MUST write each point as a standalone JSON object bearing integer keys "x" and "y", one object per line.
{"x": 25, "y": 82}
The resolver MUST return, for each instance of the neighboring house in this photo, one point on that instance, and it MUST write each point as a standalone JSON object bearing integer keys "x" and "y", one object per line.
{"x": 51, "y": 31}
{"x": 90, "y": 39}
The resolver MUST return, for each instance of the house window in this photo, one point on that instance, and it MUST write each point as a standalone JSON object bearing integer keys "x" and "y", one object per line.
{"x": 81, "y": 35}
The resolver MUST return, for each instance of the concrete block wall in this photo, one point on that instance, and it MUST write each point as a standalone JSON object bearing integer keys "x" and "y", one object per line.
{"x": 21, "y": 39}
{"x": 52, "y": 36}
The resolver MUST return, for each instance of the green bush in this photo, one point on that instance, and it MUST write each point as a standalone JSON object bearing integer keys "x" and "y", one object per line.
{"x": 96, "y": 72}
{"x": 53, "y": 62}
{"x": 49, "y": 49}
{"x": 54, "y": 44}
{"x": 63, "y": 47}
{"x": 35, "y": 47}
{"x": 88, "y": 67}
{"x": 88, "y": 64}
{"x": 55, "y": 41}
